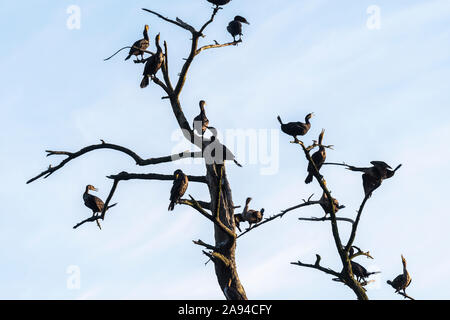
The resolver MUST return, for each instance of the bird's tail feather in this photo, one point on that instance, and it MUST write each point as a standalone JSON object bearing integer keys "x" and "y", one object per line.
{"x": 171, "y": 206}
{"x": 279, "y": 120}
{"x": 145, "y": 82}
{"x": 309, "y": 178}
{"x": 127, "y": 58}
{"x": 113, "y": 205}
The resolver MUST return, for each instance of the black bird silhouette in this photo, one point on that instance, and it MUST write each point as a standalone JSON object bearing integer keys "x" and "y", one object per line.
{"x": 180, "y": 185}
{"x": 318, "y": 158}
{"x": 360, "y": 272}
{"x": 373, "y": 177}
{"x": 142, "y": 44}
{"x": 94, "y": 203}
{"x": 201, "y": 121}
{"x": 295, "y": 129}
{"x": 251, "y": 216}
{"x": 153, "y": 64}
{"x": 235, "y": 27}
{"x": 215, "y": 152}
{"x": 326, "y": 206}
{"x": 401, "y": 282}
{"x": 219, "y": 2}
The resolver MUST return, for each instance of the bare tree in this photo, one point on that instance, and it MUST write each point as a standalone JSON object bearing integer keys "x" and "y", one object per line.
{"x": 352, "y": 274}
{"x": 220, "y": 208}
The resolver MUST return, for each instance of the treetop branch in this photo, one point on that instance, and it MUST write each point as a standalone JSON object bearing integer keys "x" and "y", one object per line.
{"x": 139, "y": 161}
{"x": 317, "y": 266}
{"x": 280, "y": 215}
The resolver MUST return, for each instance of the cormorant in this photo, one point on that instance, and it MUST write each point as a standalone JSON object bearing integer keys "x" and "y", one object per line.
{"x": 201, "y": 119}
{"x": 251, "y": 216}
{"x": 153, "y": 64}
{"x": 235, "y": 27}
{"x": 216, "y": 152}
{"x": 219, "y": 2}
{"x": 360, "y": 272}
{"x": 94, "y": 203}
{"x": 142, "y": 44}
{"x": 318, "y": 158}
{"x": 374, "y": 176}
{"x": 402, "y": 281}
{"x": 325, "y": 204}
{"x": 295, "y": 129}
{"x": 180, "y": 185}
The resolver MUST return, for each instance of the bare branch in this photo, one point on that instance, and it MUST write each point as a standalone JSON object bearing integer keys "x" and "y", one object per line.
{"x": 205, "y": 205}
{"x": 132, "y": 47}
{"x": 178, "y": 22}
{"x": 322, "y": 184}
{"x": 213, "y": 219}
{"x": 217, "y": 45}
{"x": 139, "y": 161}
{"x": 207, "y": 23}
{"x": 360, "y": 253}
{"x": 280, "y": 215}
{"x": 405, "y": 296}
{"x": 207, "y": 246}
{"x": 355, "y": 225}
{"x": 317, "y": 266}
{"x": 125, "y": 176}
{"x": 325, "y": 218}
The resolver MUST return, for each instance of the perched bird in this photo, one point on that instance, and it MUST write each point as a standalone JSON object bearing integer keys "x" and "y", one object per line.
{"x": 215, "y": 152}
{"x": 201, "y": 120}
{"x": 318, "y": 158}
{"x": 94, "y": 203}
{"x": 180, "y": 185}
{"x": 402, "y": 281}
{"x": 360, "y": 272}
{"x": 374, "y": 176}
{"x": 219, "y": 2}
{"x": 295, "y": 129}
{"x": 153, "y": 64}
{"x": 142, "y": 44}
{"x": 235, "y": 27}
{"x": 251, "y": 216}
{"x": 325, "y": 204}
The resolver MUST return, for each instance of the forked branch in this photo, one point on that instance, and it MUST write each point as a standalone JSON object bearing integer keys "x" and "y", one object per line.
{"x": 139, "y": 161}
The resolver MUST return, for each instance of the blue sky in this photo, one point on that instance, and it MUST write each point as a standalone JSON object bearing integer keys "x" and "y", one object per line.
{"x": 380, "y": 95}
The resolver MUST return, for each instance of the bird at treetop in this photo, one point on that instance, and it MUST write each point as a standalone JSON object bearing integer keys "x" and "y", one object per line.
{"x": 94, "y": 203}
{"x": 318, "y": 158}
{"x": 251, "y": 216}
{"x": 295, "y": 129}
{"x": 360, "y": 272}
{"x": 219, "y": 2}
{"x": 180, "y": 185}
{"x": 401, "y": 282}
{"x": 140, "y": 45}
{"x": 214, "y": 152}
{"x": 326, "y": 205}
{"x": 374, "y": 176}
{"x": 153, "y": 64}
{"x": 235, "y": 27}
{"x": 201, "y": 121}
